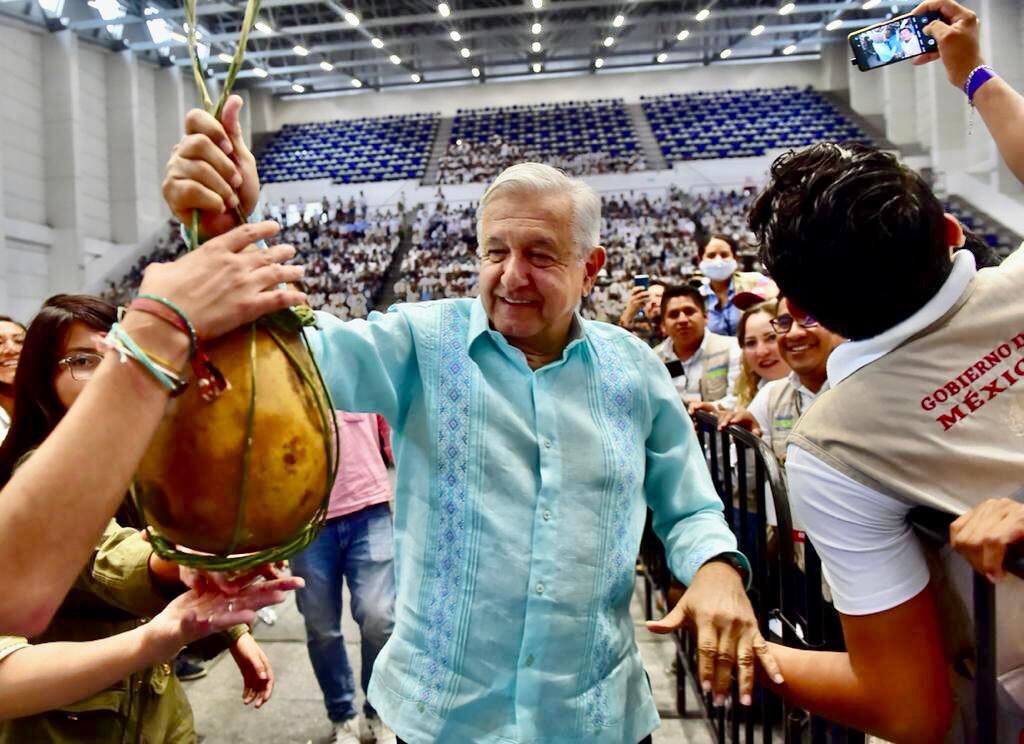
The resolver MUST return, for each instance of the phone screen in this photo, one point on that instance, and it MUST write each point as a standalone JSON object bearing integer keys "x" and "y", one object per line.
{"x": 642, "y": 280}
{"x": 893, "y": 41}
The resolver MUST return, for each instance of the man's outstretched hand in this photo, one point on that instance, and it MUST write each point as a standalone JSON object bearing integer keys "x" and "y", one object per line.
{"x": 716, "y": 606}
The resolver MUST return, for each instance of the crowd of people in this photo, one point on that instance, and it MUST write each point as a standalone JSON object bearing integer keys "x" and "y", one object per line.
{"x": 532, "y": 446}
{"x": 468, "y": 161}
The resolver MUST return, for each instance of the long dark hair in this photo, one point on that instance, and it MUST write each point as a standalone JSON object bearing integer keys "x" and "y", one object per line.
{"x": 37, "y": 409}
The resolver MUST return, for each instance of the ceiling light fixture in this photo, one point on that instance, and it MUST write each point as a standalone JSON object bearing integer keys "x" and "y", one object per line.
{"x": 351, "y": 18}
{"x": 357, "y": 83}
{"x": 757, "y": 30}
{"x": 871, "y": 4}
{"x": 662, "y": 58}
{"x": 726, "y": 53}
{"x": 259, "y": 72}
{"x": 226, "y": 58}
{"x": 377, "y": 42}
{"x": 444, "y": 10}
{"x": 300, "y": 50}
{"x": 538, "y": 4}
{"x": 465, "y": 52}
{"x": 476, "y": 72}
{"x": 833, "y": 25}
{"x": 537, "y": 67}
{"x": 415, "y": 77}
{"x": 536, "y": 28}
{"x": 619, "y": 20}
{"x": 599, "y": 62}
{"x": 682, "y": 35}
{"x": 263, "y": 27}
{"x": 787, "y": 8}
{"x": 789, "y": 50}
{"x": 456, "y": 36}
{"x": 395, "y": 59}
{"x": 703, "y": 15}
{"x": 536, "y": 47}
{"x": 326, "y": 66}
{"x": 298, "y": 88}
{"x": 609, "y": 40}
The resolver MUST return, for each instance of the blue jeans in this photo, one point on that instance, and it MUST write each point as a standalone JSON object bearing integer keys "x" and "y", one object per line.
{"x": 358, "y": 547}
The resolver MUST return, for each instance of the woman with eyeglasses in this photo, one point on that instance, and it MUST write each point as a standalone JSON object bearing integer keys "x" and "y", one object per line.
{"x": 12, "y": 336}
{"x": 761, "y": 362}
{"x": 100, "y": 672}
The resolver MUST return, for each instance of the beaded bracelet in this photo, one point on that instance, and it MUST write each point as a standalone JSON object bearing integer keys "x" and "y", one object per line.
{"x": 120, "y": 341}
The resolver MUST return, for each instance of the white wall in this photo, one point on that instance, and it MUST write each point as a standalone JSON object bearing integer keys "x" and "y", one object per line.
{"x": 610, "y": 84}
{"x": 21, "y": 116}
{"x": 95, "y": 153}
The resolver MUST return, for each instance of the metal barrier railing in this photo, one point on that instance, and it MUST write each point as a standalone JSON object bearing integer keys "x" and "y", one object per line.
{"x": 790, "y": 603}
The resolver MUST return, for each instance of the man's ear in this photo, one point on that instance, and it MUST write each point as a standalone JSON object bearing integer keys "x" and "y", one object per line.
{"x": 592, "y": 265}
{"x": 954, "y": 232}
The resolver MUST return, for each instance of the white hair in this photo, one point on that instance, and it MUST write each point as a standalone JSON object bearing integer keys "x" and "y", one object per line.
{"x": 543, "y": 179}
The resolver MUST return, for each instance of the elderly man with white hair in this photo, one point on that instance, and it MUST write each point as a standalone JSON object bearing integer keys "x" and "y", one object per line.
{"x": 529, "y": 444}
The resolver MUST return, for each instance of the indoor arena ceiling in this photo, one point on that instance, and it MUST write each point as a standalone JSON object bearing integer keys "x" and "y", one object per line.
{"x": 301, "y": 46}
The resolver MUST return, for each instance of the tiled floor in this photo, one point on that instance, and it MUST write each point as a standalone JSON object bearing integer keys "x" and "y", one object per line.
{"x": 296, "y": 714}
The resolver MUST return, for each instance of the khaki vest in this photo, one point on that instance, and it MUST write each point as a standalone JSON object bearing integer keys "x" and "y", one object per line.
{"x": 785, "y": 408}
{"x": 714, "y": 379}
{"x": 939, "y": 422}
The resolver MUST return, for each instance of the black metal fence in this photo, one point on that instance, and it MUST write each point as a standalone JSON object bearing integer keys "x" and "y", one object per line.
{"x": 788, "y": 595}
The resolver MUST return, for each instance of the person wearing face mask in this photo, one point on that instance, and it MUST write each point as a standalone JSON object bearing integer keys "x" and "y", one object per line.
{"x": 722, "y": 282}
{"x": 761, "y": 362}
{"x": 12, "y": 336}
{"x": 805, "y": 347}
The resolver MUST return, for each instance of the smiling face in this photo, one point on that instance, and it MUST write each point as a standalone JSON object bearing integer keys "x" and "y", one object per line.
{"x": 684, "y": 322}
{"x": 12, "y": 337}
{"x": 806, "y": 350}
{"x": 761, "y": 348}
{"x": 531, "y": 275}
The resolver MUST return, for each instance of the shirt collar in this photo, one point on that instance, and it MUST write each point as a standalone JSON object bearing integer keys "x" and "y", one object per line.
{"x": 480, "y": 324}
{"x": 667, "y": 351}
{"x": 794, "y": 380}
{"x": 711, "y": 297}
{"x": 848, "y": 357}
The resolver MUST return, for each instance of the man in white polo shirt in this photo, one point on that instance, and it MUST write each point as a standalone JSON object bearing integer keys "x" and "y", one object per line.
{"x": 923, "y": 409}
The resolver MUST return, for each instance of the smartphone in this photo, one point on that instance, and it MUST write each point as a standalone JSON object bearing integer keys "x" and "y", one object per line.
{"x": 892, "y": 41}
{"x": 641, "y": 280}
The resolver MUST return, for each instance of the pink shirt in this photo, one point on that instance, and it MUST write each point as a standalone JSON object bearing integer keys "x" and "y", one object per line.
{"x": 362, "y": 476}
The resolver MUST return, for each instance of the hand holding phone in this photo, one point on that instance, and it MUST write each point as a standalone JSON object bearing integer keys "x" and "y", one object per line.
{"x": 956, "y": 38}
{"x": 894, "y": 40}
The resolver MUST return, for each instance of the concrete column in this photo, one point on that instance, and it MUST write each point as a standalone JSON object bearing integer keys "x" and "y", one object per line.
{"x": 169, "y": 89}
{"x": 261, "y": 110}
{"x": 62, "y": 122}
{"x": 1002, "y": 23}
{"x": 835, "y": 62}
{"x": 946, "y": 119}
{"x": 865, "y": 91}
{"x": 5, "y": 298}
{"x": 900, "y": 100}
{"x": 123, "y": 121}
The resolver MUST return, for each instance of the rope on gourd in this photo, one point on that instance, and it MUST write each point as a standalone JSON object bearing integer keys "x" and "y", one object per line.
{"x": 288, "y": 321}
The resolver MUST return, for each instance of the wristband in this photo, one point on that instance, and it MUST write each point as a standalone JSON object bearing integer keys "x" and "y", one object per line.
{"x": 977, "y": 78}
{"x": 169, "y": 312}
{"x": 119, "y": 340}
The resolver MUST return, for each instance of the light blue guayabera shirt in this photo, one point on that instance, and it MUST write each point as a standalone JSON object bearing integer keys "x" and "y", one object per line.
{"x": 520, "y": 502}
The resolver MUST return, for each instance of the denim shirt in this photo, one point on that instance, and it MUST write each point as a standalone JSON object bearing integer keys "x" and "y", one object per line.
{"x": 520, "y": 501}
{"x": 723, "y": 320}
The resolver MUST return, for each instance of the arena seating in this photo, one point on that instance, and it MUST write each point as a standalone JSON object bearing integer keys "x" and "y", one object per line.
{"x": 743, "y": 123}
{"x": 353, "y": 151}
{"x": 580, "y": 137}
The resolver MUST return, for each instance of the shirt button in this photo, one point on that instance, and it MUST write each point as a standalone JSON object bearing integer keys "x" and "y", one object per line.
{"x": 540, "y": 588}
{"x": 547, "y": 516}
{"x": 547, "y": 443}
{"x": 529, "y": 660}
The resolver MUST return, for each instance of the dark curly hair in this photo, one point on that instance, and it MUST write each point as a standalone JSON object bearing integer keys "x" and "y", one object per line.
{"x": 837, "y": 221}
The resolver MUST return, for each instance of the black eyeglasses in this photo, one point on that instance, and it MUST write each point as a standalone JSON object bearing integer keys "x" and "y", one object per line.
{"x": 784, "y": 323}
{"x": 81, "y": 364}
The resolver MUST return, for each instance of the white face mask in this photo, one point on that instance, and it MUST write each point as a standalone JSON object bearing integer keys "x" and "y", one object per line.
{"x": 718, "y": 269}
